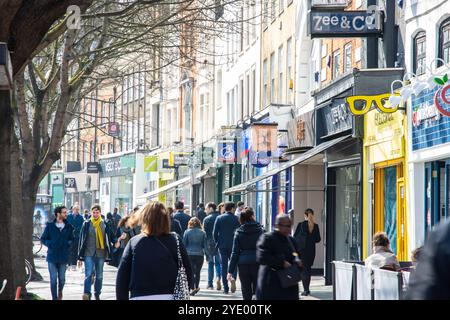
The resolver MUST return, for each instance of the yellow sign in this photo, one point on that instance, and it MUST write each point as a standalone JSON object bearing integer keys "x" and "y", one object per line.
{"x": 384, "y": 135}
{"x": 151, "y": 164}
{"x": 361, "y": 105}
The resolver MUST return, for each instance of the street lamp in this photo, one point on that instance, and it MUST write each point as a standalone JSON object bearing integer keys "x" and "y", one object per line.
{"x": 6, "y": 77}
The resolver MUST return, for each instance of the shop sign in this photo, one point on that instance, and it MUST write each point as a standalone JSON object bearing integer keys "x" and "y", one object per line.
{"x": 70, "y": 184}
{"x": 333, "y": 119}
{"x": 118, "y": 166}
{"x": 114, "y": 129}
{"x": 264, "y": 143}
{"x": 207, "y": 155}
{"x": 227, "y": 151}
{"x": 361, "y": 105}
{"x": 301, "y": 131}
{"x": 181, "y": 158}
{"x": 346, "y": 24}
{"x": 283, "y": 145}
{"x": 56, "y": 178}
{"x": 73, "y": 166}
{"x": 92, "y": 167}
{"x": 381, "y": 127}
{"x": 431, "y": 118}
{"x": 151, "y": 164}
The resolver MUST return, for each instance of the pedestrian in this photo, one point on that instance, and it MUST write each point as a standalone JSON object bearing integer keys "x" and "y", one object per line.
{"x": 149, "y": 266}
{"x": 307, "y": 234}
{"x": 239, "y": 208}
{"x": 221, "y": 208}
{"x": 58, "y": 237}
{"x": 37, "y": 223}
{"x": 213, "y": 253}
{"x": 223, "y": 234}
{"x": 76, "y": 220}
{"x": 382, "y": 256}
{"x": 194, "y": 240}
{"x": 115, "y": 218}
{"x": 95, "y": 248}
{"x": 276, "y": 250}
{"x": 137, "y": 227}
{"x": 243, "y": 255}
{"x": 175, "y": 225}
{"x": 86, "y": 214}
{"x": 181, "y": 216}
{"x": 124, "y": 233}
{"x": 109, "y": 222}
{"x": 201, "y": 214}
{"x": 431, "y": 279}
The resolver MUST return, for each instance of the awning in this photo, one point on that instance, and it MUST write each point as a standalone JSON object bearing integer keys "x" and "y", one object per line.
{"x": 210, "y": 172}
{"x": 165, "y": 188}
{"x": 251, "y": 184}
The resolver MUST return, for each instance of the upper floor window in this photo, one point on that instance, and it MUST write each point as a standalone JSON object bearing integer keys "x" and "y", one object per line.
{"x": 336, "y": 63}
{"x": 444, "y": 41}
{"x": 420, "y": 53}
{"x": 347, "y": 57}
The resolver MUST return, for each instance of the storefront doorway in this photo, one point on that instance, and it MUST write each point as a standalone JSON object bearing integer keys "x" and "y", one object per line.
{"x": 437, "y": 187}
{"x": 390, "y": 205}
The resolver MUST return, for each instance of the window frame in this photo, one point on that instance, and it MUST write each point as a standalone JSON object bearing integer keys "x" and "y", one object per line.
{"x": 422, "y": 35}
{"x": 444, "y": 27}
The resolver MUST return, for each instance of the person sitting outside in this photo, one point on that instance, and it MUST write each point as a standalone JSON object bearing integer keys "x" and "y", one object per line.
{"x": 382, "y": 256}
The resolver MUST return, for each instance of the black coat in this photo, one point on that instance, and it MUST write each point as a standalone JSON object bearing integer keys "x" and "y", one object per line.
{"x": 309, "y": 252}
{"x": 149, "y": 266}
{"x": 272, "y": 250}
{"x": 431, "y": 279}
{"x": 175, "y": 226}
{"x": 244, "y": 245}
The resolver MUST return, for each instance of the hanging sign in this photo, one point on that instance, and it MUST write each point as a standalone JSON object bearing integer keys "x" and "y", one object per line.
{"x": 360, "y": 105}
{"x": 226, "y": 151}
{"x": 264, "y": 138}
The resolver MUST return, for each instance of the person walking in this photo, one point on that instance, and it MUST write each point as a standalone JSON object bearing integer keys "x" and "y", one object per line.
{"x": 149, "y": 266}
{"x": 201, "y": 214}
{"x": 307, "y": 234}
{"x": 239, "y": 208}
{"x": 115, "y": 219}
{"x": 95, "y": 248}
{"x": 275, "y": 251}
{"x": 382, "y": 256}
{"x": 221, "y": 208}
{"x": 123, "y": 235}
{"x": 214, "y": 259}
{"x": 86, "y": 214}
{"x": 76, "y": 220}
{"x": 194, "y": 240}
{"x": 175, "y": 225}
{"x": 223, "y": 234}
{"x": 181, "y": 216}
{"x": 58, "y": 237}
{"x": 431, "y": 278}
{"x": 243, "y": 255}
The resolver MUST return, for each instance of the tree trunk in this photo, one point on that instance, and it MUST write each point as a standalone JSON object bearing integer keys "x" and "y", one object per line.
{"x": 10, "y": 261}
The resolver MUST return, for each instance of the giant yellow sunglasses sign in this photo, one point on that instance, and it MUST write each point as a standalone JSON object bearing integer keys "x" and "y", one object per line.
{"x": 360, "y": 105}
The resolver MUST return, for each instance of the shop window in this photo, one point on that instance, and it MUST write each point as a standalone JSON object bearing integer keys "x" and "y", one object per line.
{"x": 420, "y": 54}
{"x": 444, "y": 41}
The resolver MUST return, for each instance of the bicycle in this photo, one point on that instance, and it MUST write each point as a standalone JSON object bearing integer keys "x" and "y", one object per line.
{"x": 3, "y": 286}
{"x": 37, "y": 244}
{"x": 28, "y": 271}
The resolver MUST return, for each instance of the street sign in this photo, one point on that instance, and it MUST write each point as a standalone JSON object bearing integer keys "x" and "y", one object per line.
{"x": 114, "y": 129}
{"x": 92, "y": 167}
{"x": 347, "y": 24}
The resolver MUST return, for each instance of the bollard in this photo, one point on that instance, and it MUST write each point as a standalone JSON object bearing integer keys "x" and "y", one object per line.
{"x": 18, "y": 290}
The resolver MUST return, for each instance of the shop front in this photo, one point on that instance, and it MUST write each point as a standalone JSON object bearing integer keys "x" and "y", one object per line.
{"x": 82, "y": 187}
{"x": 429, "y": 163}
{"x": 116, "y": 179}
{"x": 385, "y": 179}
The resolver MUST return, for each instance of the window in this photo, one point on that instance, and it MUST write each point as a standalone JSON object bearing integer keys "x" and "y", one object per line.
{"x": 110, "y": 148}
{"x": 347, "y": 58}
{"x": 85, "y": 154}
{"x": 241, "y": 31}
{"x": 103, "y": 148}
{"x": 247, "y": 95}
{"x": 219, "y": 89}
{"x": 241, "y": 99}
{"x": 253, "y": 96}
{"x": 111, "y": 110}
{"x": 104, "y": 115}
{"x": 273, "y": 10}
{"x": 280, "y": 74}
{"x": 265, "y": 14}
{"x": 281, "y": 6}
{"x": 336, "y": 63}
{"x": 288, "y": 69}
{"x": 93, "y": 152}
{"x": 272, "y": 77}
{"x": 420, "y": 53}
{"x": 265, "y": 84}
{"x": 444, "y": 41}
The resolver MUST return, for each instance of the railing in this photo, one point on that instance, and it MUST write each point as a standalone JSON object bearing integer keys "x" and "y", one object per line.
{"x": 354, "y": 281}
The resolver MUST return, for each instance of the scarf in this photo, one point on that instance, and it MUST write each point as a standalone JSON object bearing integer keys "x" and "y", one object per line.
{"x": 98, "y": 233}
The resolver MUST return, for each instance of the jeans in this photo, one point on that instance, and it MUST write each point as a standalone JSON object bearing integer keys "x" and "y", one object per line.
{"x": 73, "y": 253}
{"x": 248, "y": 274}
{"x": 214, "y": 261}
{"x": 196, "y": 265}
{"x": 57, "y": 274}
{"x": 225, "y": 255}
{"x": 91, "y": 264}
{"x": 306, "y": 277}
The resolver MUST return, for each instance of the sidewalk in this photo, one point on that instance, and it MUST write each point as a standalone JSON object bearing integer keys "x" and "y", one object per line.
{"x": 73, "y": 288}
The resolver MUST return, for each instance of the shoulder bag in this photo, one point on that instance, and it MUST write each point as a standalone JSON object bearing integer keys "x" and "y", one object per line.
{"x": 181, "y": 291}
{"x": 301, "y": 237}
{"x": 290, "y": 276}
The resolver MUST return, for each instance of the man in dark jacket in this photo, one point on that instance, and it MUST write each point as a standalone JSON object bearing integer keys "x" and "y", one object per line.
{"x": 115, "y": 219}
{"x": 182, "y": 217}
{"x": 96, "y": 241}
{"x": 58, "y": 237}
{"x": 175, "y": 225}
{"x": 276, "y": 250}
{"x": 214, "y": 259}
{"x": 223, "y": 234}
{"x": 201, "y": 214}
{"x": 76, "y": 220}
{"x": 431, "y": 279}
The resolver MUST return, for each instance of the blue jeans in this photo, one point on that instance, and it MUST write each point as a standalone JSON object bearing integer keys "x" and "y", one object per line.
{"x": 57, "y": 274}
{"x": 91, "y": 264}
{"x": 213, "y": 261}
{"x": 225, "y": 255}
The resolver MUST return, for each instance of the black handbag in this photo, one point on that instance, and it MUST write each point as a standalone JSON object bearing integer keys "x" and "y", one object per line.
{"x": 300, "y": 238}
{"x": 290, "y": 276}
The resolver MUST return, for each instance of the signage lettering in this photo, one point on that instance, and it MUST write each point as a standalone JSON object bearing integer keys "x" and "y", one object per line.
{"x": 339, "y": 114}
{"x": 381, "y": 118}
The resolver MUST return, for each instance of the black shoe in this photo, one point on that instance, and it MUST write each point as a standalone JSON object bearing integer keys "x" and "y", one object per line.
{"x": 306, "y": 293}
{"x": 97, "y": 297}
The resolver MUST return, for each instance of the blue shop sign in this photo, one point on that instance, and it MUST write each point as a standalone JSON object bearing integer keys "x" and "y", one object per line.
{"x": 430, "y": 127}
{"x": 345, "y": 24}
